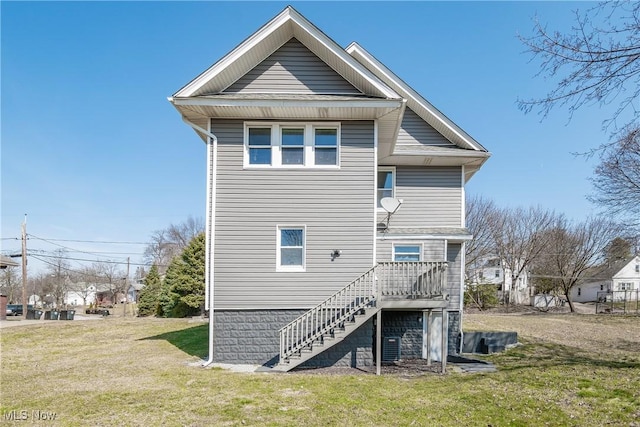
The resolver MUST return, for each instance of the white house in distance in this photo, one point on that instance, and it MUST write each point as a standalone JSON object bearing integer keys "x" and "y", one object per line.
{"x": 621, "y": 279}
{"x": 491, "y": 270}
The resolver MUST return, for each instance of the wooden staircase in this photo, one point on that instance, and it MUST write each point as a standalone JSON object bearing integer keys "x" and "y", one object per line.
{"x": 397, "y": 284}
{"x": 329, "y": 339}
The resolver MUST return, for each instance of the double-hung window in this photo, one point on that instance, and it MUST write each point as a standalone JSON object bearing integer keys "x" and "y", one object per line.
{"x": 259, "y": 145}
{"x": 325, "y": 145}
{"x": 292, "y": 145}
{"x": 291, "y": 248}
{"x": 386, "y": 183}
{"x": 407, "y": 253}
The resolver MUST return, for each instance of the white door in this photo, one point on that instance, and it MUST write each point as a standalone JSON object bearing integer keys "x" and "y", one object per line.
{"x": 436, "y": 335}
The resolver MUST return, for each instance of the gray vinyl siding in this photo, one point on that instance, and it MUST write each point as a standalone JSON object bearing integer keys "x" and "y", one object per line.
{"x": 292, "y": 69}
{"x": 432, "y": 197}
{"x": 454, "y": 274}
{"x": 335, "y": 205}
{"x": 432, "y": 250}
{"x": 415, "y": 131}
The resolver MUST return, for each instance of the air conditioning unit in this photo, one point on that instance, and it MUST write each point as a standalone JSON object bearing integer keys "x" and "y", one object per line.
{"x": 390, "y": 349}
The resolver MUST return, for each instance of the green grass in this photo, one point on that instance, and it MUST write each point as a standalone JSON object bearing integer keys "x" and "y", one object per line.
{"x": 142, "y": 372}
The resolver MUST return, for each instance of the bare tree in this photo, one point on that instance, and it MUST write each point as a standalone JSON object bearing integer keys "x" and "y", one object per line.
{"x": 617, "y": 177}
{"x": 170, "y": 242}
{"x": 11, "y": 283}
{"x": 481, "y": 214}
{"x": 595, "y": 62}
{"x": 58, "y": 271}
{"x": 110, "y": 274}
{"x": 520, "y": 237}
{"x": 575, "y": 248}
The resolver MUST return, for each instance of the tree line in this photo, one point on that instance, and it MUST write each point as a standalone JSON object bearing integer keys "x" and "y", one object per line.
{"x": 558, "y": 253}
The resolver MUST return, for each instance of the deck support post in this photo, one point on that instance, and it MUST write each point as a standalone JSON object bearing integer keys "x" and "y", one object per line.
{"x": 429, "y": 328}
{"x": 378, "y": 341}
{"x": 445, "y": 341}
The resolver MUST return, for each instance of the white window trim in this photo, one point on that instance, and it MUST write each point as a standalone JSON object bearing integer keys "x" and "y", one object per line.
{"x": 391, "y": 169}
{"x": 276, "y": 144}
{"x": 420, "y": 245}
{"x": 290, "y": 268}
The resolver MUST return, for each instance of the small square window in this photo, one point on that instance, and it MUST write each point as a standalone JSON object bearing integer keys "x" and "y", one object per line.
{"x": 406, "y": 253}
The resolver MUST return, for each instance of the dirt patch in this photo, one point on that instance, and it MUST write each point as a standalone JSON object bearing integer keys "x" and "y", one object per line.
{"x": 406, "y": 368}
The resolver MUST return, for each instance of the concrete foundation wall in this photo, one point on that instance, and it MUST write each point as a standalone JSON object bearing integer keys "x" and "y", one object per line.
{"x": 251, "y": 337}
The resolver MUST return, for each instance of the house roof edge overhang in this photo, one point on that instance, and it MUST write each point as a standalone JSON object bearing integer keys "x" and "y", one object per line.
{"x": 387, "y": 112}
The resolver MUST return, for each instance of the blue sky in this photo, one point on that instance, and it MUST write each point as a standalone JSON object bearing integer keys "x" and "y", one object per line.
{"x": 93, "y": 152}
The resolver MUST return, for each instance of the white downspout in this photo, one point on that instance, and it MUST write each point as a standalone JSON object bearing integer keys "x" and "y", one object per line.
{"x": 212, "y": 154}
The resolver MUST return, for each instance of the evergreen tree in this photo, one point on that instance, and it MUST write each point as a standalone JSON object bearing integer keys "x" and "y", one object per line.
{"x": 150, "y": 294}
{"x": 183, "y": 287}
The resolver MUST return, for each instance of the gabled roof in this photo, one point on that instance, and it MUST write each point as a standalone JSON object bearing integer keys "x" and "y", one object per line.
{"x": 609, "y": 271}
{"x": 289, "y": 23}
{"x": 425, "y": 110}
{"x": 379, "y": 95}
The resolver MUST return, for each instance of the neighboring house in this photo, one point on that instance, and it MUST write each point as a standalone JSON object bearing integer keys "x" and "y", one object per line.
{"x": 6, "y": 261}
{"x": 491, "y": 270}
{"x": 307, "y": 144}
{"x": 621, "y": 280}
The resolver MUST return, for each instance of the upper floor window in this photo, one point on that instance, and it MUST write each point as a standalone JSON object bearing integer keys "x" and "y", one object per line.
{"x": 286, "y": 145}
{"x": 386, "y": 183}
{"x": 407, "y": 252}
{"x": 259, "y": 146}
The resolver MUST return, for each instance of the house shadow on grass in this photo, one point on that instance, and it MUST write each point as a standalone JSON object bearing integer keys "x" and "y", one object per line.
{"x": 193, "y": 341}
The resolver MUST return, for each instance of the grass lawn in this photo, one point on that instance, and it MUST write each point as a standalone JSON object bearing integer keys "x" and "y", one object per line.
{"x": 143, "y": 372}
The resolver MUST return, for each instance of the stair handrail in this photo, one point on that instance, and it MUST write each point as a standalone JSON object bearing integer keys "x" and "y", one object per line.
{"x": 421, "y": 279}
{"x": 328, "y": 315}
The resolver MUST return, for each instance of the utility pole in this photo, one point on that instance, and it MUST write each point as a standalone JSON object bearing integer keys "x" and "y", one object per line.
{"x": 24, "y": 268}
{"x": 126, "y": 289}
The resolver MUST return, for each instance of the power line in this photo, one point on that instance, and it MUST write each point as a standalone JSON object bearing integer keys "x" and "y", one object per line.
{"x": 89, "y": 241}
{"x": 91, "y": 260}
{"x": 68, "y": 248}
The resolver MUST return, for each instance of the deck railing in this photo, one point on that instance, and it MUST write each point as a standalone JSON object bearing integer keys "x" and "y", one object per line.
{"x": 413, "y": 280}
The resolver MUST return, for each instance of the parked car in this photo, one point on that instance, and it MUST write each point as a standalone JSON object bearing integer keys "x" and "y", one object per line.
{"x": 16, "y": 309}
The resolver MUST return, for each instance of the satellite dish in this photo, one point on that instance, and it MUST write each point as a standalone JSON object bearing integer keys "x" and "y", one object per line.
{"x": 390, "y": 204}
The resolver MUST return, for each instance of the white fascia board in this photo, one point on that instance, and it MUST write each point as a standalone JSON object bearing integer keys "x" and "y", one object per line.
{"x": 462, "y": 153}
{"x": 405, "y": 90}
{"x": 338, "y": 51}
{"x": 248, "y": 44}
{"x": 218, "y": 102}
{"x": 451, "y": 238}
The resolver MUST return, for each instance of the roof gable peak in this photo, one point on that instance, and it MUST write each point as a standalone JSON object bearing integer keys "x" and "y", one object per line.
{"x": 257, "y": 47}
